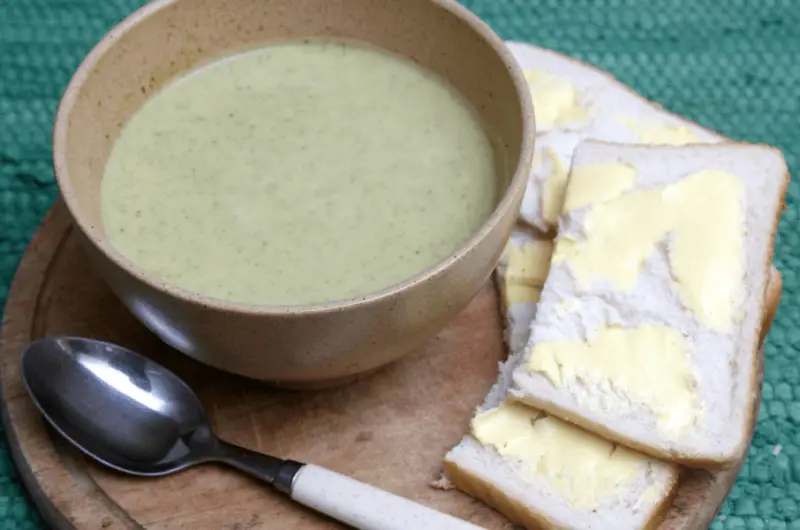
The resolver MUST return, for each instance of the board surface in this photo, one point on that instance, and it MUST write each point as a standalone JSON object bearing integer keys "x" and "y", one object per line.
{"x": 390, "y": 430}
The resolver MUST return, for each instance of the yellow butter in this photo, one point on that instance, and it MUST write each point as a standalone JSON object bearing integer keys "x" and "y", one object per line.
{"x": 555, "y": 100}
{"x": 526, "y": 269}
{"x": 517, "y": 293}
{"x": 703, "y": 218}
{"x": 660, "y": 134}
{"x": 649, "y": 365}
{"x": 529, "y": 263}
{"x": 594, "y": 183}
{"x": 554, "y": 186}
{"x": 582, "y": 467}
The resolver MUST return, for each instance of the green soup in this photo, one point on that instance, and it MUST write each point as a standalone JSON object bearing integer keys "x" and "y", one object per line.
{"x": 299, "y": 173}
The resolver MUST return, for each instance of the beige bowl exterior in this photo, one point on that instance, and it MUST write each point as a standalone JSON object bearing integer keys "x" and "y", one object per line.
{"x": 291, "y": 346}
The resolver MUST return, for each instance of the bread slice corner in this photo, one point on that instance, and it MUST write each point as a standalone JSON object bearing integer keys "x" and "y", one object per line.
{"x": 616, "y": 113}
{"x": 527, "y": 498}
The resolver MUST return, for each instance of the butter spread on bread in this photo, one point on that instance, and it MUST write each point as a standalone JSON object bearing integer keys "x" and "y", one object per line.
{"x": 542, "y": 472}
{"x": 521, "y": 274}
{"x": 701, "y": 213}
{"x": 616, "y": 113}
{"x": 646, "y": 364}
{"x": 556, "y": 102}
{"x": 550, "y": 162}
{"x": 528, "y": 263}
{"x": 582, "y": 467}
{"x": 688, "y": 248}
{"x": 587, "y": 188}
{"x": 534, "y": 497}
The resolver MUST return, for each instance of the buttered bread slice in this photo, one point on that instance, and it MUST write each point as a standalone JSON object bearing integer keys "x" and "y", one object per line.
{"x": 575, "y": 101}
{"x": 521, "y": 274}
{"x": 649, "y": 321}
{"x": 542, "y": 472}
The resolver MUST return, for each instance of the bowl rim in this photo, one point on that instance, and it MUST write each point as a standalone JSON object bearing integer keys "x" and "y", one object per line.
{"x": 515, "y": 188}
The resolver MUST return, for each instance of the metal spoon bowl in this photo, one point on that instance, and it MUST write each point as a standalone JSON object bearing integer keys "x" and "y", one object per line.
{"x": 135, "y": 416}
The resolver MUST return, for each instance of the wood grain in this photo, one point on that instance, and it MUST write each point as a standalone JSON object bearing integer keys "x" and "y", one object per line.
{"x": 390, "y": 430}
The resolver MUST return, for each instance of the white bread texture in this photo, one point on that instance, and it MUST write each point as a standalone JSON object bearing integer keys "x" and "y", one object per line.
{"x": 483, "y": 474}
{"x": 519, "y": 315}
{"x": 616, "y": 114}
{"x": 478, "y": 470}
{"x": 608, "y": 100}
{"x": 606, "y": 96}
{"x": 723, "y": 363}
{"x": 532, "y": 502}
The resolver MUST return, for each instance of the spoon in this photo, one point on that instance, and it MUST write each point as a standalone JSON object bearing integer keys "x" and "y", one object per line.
{"x": 137, "y": 417}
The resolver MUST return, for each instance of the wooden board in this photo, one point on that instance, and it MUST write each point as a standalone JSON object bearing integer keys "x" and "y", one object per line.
{"x": 390, "y": 430}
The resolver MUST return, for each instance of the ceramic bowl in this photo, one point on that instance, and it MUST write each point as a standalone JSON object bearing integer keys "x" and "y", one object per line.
{"x": 320, "y": 345}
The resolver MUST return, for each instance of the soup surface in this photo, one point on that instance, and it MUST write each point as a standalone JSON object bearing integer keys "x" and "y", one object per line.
{"x": 299, "y": 173}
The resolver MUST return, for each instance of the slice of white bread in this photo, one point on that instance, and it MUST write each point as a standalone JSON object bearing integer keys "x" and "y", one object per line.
{"x": 640, "y": 122}
{"x": 617, "y": 114}
{"x": 612, "y": 111}
{"x": 544, "y": 497}
{"x": 525, "y": 254}
{"x": 720, "y": 372}
{"x": 482, "y": 473}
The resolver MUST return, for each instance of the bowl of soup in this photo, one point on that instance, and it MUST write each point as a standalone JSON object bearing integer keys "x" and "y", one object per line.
{"x": 297, "y": 192}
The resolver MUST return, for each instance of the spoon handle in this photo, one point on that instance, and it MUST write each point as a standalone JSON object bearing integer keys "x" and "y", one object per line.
{"x": 365, "y": 507}
{"x": 343, "y": 498}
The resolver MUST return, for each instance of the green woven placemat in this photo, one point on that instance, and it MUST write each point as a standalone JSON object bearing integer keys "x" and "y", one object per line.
{"x": 729, "y": 64}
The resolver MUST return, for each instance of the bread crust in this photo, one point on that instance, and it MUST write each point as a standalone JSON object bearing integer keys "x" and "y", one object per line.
{"x": 476, "y": 487}
{"x": 552, "y": 231}
{"x": 517, "y": 512}
{"x": 611, "y": 77}
{"x": 772, "y": 297}
{"x": 661, "y": 509}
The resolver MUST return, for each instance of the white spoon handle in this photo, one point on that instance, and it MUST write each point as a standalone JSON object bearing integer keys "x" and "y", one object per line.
{"x": 365, "y": 507}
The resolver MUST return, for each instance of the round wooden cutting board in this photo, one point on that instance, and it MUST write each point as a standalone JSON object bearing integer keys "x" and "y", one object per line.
{"x": 390, "y": 430}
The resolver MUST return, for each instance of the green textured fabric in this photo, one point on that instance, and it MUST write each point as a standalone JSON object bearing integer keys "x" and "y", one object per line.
{"x": 729, "y": 64}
